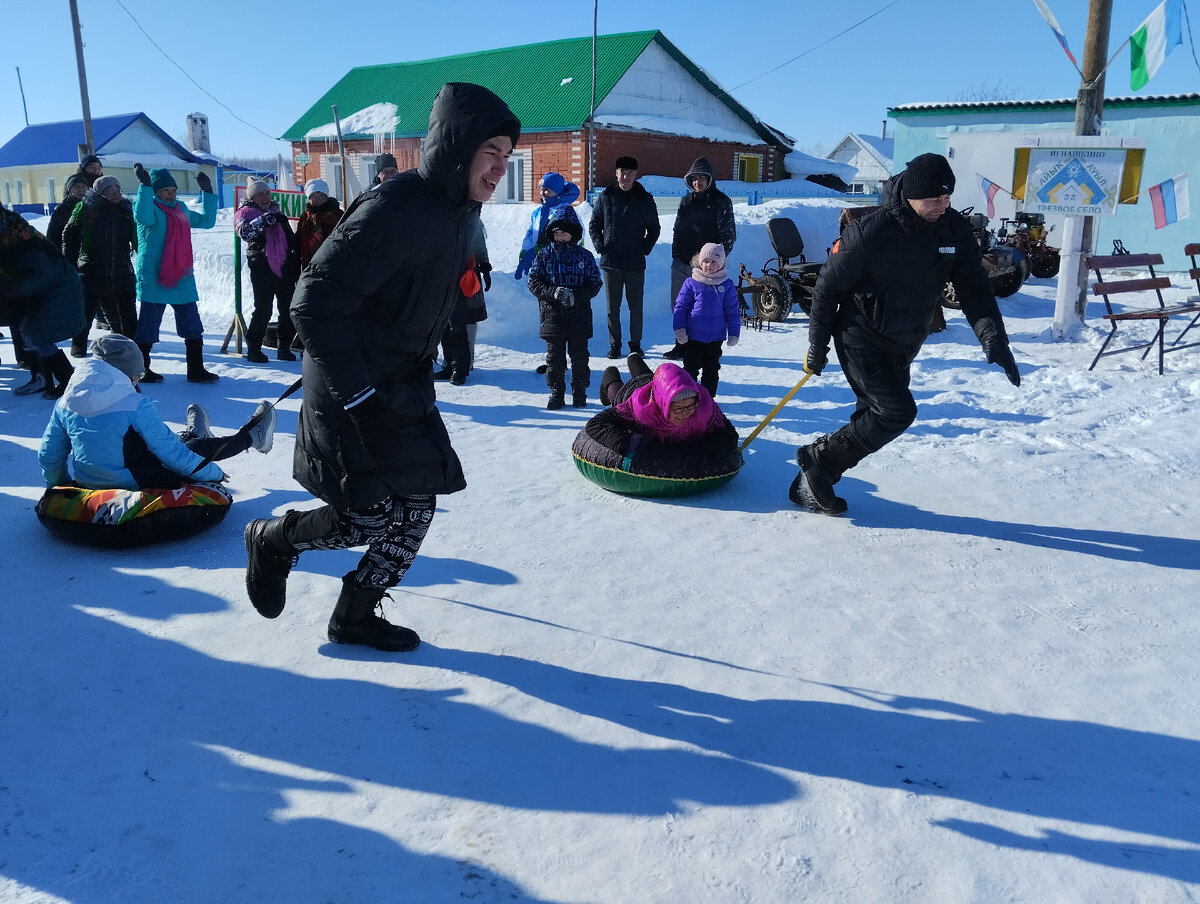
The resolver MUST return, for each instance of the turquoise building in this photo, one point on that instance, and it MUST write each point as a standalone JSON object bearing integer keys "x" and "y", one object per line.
{"x": 980, "y": 139}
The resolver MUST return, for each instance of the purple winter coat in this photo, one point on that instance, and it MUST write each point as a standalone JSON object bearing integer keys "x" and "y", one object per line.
{"x": 708, "y": 313}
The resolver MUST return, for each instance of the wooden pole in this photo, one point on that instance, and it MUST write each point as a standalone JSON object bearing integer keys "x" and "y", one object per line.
{"x": 89, "y": 142}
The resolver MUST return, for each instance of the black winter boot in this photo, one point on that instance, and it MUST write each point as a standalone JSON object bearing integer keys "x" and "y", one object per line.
{"x": 254, "y": 352}
{"x": 637, "y": 366}
{"x": 195, "y": 362}
{"x": 821, "y": 465}
{"x": 269, "y": 560}
{"x": 33, "y": 363}
{"x": 56, "y": 367}
{"x": 354, "y": 621}
{"x": 148, "y": 376}
{"x": 675, "y": 354}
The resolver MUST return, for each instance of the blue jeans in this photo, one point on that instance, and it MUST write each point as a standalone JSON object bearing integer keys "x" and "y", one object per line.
{"x": 187, "y": 322}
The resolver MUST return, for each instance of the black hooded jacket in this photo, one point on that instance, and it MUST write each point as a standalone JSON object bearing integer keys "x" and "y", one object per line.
{"x": 703, "y": 217}
{"x": 879, "y": 291}
{"x": 373, "y": 303}
{"x": 624, "y": 227}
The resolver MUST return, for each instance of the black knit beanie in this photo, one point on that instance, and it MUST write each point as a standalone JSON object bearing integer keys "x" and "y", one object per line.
{"x": 627, "y": 162}
{"x": 928, "y": 176}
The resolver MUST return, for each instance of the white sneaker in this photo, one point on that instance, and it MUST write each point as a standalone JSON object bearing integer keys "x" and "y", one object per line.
{"x": 198, "y": 422}
{"x": 262, "y": 434}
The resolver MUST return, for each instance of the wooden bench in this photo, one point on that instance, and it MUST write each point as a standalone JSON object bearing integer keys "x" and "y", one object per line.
{"x": 1162, "y": 314}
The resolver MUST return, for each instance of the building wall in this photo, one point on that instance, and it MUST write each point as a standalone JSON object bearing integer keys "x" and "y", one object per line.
{"x": 983, "y": 141}
{"x": 566, "y": 153}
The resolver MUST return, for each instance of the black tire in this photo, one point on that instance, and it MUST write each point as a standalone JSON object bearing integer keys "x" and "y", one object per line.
{"x": 1045, "y": 266}
{"x": 1009, "y": 283}
{"x": 949, "y": 299}
{"x": 774, "y": 301}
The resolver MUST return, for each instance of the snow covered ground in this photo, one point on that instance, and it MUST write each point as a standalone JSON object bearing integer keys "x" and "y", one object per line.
{"x": 980, "y": 685}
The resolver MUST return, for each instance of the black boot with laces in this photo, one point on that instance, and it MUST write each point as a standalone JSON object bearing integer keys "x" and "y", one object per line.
{"x": 269, "y": 560}
{"x": 354, "y": 621}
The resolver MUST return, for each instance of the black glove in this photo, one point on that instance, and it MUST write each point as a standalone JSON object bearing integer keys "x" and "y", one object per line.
{"x": 485, "y": 274}
{"x": 564, "y": 296}
{"x": 996, "y": 350}
{"x": 376, "y": 425}
{"x": 816, "y": 359}
{"x": 268, "y": 219}
{"x": 204, "y": 182}
{"x": 142, "y": 175}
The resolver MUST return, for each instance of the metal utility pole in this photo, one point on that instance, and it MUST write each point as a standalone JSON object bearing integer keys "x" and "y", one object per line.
{"x": 89, "y": 145}
{"x": 591, "y": 176}
{"x": 1089, "y": 112}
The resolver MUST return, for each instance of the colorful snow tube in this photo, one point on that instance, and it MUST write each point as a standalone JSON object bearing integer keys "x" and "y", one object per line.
{"x": 119, "y": 519}
{"x": 659, "y": 469}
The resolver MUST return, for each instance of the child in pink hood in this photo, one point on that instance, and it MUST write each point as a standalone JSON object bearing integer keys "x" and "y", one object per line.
{"x": 663, "y": 419}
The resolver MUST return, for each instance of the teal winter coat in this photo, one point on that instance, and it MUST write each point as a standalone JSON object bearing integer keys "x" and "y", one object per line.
{"x": 152, "y": 235}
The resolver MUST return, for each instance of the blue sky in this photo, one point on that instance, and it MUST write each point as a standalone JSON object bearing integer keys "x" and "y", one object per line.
{"x": 270, "y": 61}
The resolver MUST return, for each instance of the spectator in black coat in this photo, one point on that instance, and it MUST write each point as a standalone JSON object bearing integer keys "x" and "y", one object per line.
{"x": 99, "y": 239}
{"x": 705, "y": 215}
{"x": 370, "y": 310}
{"x": 91, "y": 169}
{"x": 274, "y": 261}
{"x": 73, "y": 193}
{"x": 624, "y": 228}
{"x": 875, "y": 298}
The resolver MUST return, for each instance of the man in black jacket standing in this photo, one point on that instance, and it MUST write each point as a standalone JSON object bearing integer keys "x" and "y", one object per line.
{"x": 705, "y": 215}
{"x": 371, "y": 309}
{"x": 875, "y": 298}
{"x": 624, "y": 228}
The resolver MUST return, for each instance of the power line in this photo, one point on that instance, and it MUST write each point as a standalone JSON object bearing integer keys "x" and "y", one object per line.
{"x": 189, "y": 77}
{"x": 798, "y": 56}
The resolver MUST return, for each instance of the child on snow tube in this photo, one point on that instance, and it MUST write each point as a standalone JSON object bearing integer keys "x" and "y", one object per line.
{"x": 128, "y": 463}
{"x": 663, "y": 435}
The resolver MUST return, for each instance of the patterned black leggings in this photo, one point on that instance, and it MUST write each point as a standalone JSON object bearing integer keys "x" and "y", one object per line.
{"x": 392, "y": 531}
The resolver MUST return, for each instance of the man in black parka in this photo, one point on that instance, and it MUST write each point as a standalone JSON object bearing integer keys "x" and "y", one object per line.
{"x": 705, "y": 215}
{"x": 624, "y": 228}
{"x": 875, "y": 298}
{"x": 370, "y": 310}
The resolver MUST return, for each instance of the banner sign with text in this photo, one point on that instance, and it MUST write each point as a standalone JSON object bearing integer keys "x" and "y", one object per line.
{"x": 1079, "y": 181}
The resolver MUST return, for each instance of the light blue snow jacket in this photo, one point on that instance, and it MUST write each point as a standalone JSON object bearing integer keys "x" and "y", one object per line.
{"x": 94, "y": 419}
{"x": 152, "y": 234}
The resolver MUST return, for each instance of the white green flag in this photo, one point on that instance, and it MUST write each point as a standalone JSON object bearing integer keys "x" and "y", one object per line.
{"x": 1155, "y": 38}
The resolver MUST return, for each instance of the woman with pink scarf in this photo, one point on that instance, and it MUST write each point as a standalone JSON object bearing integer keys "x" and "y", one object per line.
{"x": 163, "y": 270}
{"x": 274, "y": 261}
{"x": 661, "y": 424}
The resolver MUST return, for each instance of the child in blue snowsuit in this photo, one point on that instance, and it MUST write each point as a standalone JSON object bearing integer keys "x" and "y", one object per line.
{"x": 706, "y": 311}
{"x": 556, "y": 191}
{"x": 564, "y": 278}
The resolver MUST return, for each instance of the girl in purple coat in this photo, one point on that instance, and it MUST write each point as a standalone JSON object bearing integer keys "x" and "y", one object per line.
{"x": 706, "y": 311}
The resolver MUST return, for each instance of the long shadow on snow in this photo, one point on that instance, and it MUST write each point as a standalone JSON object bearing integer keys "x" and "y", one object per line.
{"x": 1165, "y": 552}
{"x": 1083, "y": 772}
{"x": 129, "y": 759}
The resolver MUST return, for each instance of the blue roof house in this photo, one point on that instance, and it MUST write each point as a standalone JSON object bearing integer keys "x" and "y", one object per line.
{"x": 35, "y": 163}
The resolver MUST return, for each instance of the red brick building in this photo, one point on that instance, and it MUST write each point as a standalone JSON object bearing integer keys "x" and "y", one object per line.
{"x": 652, "y": 103}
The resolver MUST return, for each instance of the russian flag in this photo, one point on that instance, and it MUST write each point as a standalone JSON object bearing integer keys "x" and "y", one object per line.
{"x": 1056, "y": 28}
{"x": 1169, "y": 201}
{"x": 989, "y": 193}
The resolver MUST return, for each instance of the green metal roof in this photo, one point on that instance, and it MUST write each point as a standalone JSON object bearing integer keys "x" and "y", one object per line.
{"x": 548, "y": 85}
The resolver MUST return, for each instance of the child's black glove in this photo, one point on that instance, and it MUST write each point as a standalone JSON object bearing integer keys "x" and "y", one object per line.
{"x": 564, "y": 296}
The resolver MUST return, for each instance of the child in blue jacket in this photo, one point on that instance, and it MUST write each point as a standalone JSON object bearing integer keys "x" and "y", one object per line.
{"x": 564, "y": 278}
{"x": 706, "y": 311}
{"x": 117, "y": 438}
